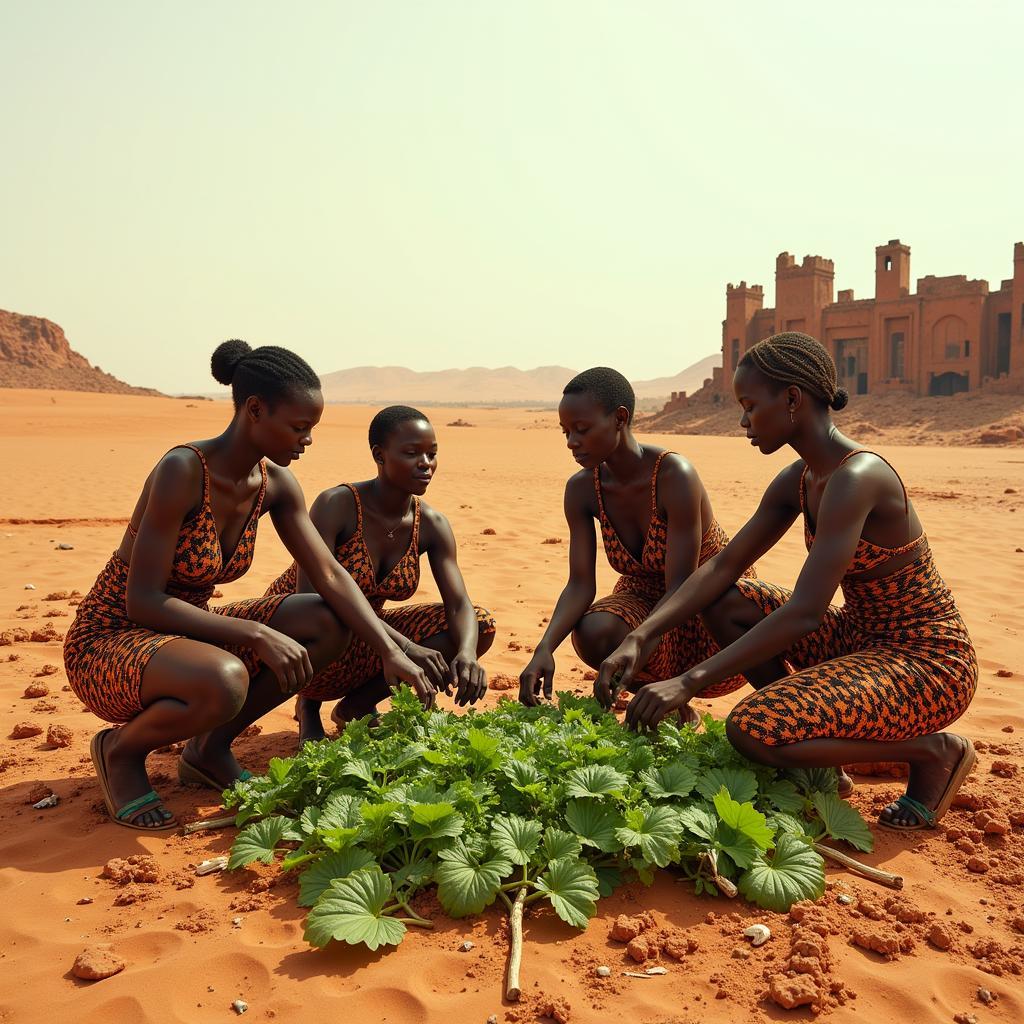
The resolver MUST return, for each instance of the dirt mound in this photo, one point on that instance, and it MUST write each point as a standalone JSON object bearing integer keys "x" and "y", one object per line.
{"x": 964, "y": 419}
{"x": 34, "y": 353}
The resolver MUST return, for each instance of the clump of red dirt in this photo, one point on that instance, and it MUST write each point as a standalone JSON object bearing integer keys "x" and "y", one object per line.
{"x": 139, "y": 867}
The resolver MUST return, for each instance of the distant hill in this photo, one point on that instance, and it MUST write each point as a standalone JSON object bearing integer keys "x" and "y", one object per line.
{"x": 479, "y": 385}
{"x": 34, "y": 353}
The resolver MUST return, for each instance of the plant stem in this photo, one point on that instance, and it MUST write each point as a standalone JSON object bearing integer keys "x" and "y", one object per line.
{"x": 513, "y": 992}
{"x": 413, "y": 917}
{"x": 209, "y": 825}
{"x": 874, "y": 874}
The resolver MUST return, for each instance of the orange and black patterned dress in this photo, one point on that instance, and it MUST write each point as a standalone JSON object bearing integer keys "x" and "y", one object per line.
{"x": 106, "y": 654}
{"x": 895, "y": 662}
{"x": 360, "y": 662}
{"x": 641, "y": 585}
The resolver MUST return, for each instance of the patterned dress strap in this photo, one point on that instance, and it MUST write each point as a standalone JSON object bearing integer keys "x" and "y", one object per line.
{"x": 803, "y": 491}
{"x": 202, "y": 459}
{"x": 415, "y": 542}
{"x": 597, "y": 491}
{"x": 359, "y": 507}
{"x": 654, "y": 482}
{"x": 263, "y": 488}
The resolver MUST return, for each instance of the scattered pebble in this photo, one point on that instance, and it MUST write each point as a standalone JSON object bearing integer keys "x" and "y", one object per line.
{"x": 59, "y": 736}
{"x": 986, "y": 996}
{"x": 493, "y": 1019}
{"x": 656, "y": 970}
{"x": 30, "y": 586}
{"x": 84, "y": 901}
{"x": 758, "y": 934}
{"x": 65, "y": 547}
{"x": 208, "y": 867}
{"x": 965, "y": 1018}
{"x": 466, "y": 946}
{"x": 844, "y": 899}
{"x": 48, "y": 801}
{"x": 95, "y": 963}
{"x": 236, "y": 922}
{"x": 603, "y": 971}
{"x": 489, "y": 532}
{"x": 239, "y": 1007}
{"x": 1004, "y": 673}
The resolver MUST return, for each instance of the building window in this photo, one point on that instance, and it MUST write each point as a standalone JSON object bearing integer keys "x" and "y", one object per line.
{"x": 888, "y": 263}
{"x": 952, "y": 349}
{"x": 896, "y": 360}
{"x": 967, "y": 348}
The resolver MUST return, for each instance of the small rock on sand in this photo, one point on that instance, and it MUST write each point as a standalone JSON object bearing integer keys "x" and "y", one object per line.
{"x": 48, "y": 801}
{"x": 239, "y": 1007}
{"x": 59, "y": 736}
{"x": 95, "y": 963}
{"x": 940, "y": 936}
{"x": 65, "y": 547}
{"x": 792, "y": 992}
{"x": 1004, "y": 673}
{"x": 36, "y": 690}
{"x": 30, "y": 586}
{"x": 603, "y": 971}
{"x": 23, "y": 730}
{"x": 489, "y": 532}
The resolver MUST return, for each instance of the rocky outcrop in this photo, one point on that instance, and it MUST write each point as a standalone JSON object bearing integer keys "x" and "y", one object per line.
{"x": 34, "y": 353}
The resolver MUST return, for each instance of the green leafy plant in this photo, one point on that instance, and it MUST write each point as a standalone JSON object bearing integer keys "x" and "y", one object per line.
{"x": 515, "y": 806}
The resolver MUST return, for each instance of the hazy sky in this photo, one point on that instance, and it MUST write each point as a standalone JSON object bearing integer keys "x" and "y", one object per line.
{"x": 438, "y": 184}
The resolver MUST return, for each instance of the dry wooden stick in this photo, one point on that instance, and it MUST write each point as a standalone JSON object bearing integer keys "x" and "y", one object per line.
{"x": 512, "y": 989}
{"x": 874, "y": 874}
{"x": 206, "y": 826}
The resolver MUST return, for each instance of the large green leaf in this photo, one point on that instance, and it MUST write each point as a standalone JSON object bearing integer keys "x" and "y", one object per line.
{"x": 843, "y": 821}
{"x": 744, "y": 818}
{"x": 351, "y": 910}
{"x": 812, "y": 780}
{"x": 654, "y": 830}
{"x": 466, "y": 885}
{"x": 595, "y": 780}
{"x": 558, "y": 844}
{"x": 675, "y": 779}
{"x": 319, "y": 876}
{"x": 515, "y": 838}
{"x": 594, "y": 824}
{"x": 572, "y": 888}
{"x": 741, "y": 783}
{"x": 699, "y": 819}
{"x": 257, "y": 843}
{"x": 433, "y": 821}
{"x": 794, "y": 873}
{"x": 521, "y": 773}
{"x": 783, "y": 794}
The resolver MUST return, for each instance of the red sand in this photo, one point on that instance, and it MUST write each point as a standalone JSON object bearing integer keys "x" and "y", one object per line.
{"x": 862, "y": 954}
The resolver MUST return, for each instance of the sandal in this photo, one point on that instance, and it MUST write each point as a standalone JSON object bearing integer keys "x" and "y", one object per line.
{"x": 124, "y": 815}
{"x": 190, "y": 775}
{"x": 926, "y": 817}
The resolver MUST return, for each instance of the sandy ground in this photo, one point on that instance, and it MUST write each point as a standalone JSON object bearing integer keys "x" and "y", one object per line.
{"x": 73, "y": 465}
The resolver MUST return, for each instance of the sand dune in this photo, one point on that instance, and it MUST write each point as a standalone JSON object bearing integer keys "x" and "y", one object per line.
{"x": 74, "y": 464}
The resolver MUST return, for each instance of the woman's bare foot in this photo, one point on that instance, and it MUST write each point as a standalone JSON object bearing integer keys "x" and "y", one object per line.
{"x": 931, "y": 776}
{"x": 217, "y": 763}
{"x": 348, "y": 709}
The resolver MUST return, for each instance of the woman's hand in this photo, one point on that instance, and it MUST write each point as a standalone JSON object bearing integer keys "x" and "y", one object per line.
{"x": 539, "y": 673}
{"x": 654, "y": 701}
{"x": 433, "y": 664}
{"x": 285, "y": 657}
{"x": 399, "y": 668}
{"x": 618, "y": 670}
{"x": 468, "y": 677}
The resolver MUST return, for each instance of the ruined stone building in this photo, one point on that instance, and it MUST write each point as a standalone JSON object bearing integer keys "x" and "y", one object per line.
{"x": 949, "y": 335}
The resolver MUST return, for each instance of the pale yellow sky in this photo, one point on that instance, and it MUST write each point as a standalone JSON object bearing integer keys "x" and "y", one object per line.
{"x": 438, "y": 184}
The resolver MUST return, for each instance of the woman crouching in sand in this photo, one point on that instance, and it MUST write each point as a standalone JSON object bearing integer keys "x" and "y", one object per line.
{"x": 146, "y": 649}
{"x": 874, "y": 680}
{"x": 657, "y": 526}
{"x": 377, "y": 530}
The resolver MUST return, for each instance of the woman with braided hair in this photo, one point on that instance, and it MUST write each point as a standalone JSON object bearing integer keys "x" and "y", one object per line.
{"x": 657, "y": 525}
{"x": 875, "y": 680}
{"x": 148, "y": 651}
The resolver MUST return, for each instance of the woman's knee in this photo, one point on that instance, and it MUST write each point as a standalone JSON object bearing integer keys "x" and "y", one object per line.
{"x": 752, "y": 749}
{"x": 596, "y": 635}
{"x": 228, "y": 690}
{"x": 729, "y": 616}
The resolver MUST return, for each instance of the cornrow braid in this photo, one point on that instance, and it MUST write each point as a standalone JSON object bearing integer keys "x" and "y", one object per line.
{"x": 794, "y": 358}
{"x": 271, "y": 372}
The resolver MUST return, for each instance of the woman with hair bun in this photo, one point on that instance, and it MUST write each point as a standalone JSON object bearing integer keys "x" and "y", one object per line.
{"x": 875, "y": 680}
{"x": 148, "y": 651}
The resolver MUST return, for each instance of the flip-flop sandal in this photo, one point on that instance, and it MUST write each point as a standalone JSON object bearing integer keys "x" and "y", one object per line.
{"x": 123, "y": 815}
{"x": 190, "y": 775}
{"x": 926, "y": 817}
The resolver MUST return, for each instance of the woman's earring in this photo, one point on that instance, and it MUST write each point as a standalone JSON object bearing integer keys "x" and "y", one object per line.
{"x": 792, "y": 416}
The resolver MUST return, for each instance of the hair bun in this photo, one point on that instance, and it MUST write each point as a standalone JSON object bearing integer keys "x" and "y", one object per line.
{"x": 225, "y": 359}
{"x": 840, "y": 400}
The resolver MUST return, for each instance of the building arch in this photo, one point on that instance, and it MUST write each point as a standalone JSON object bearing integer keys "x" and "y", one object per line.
{"x": 949, "y": 339}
